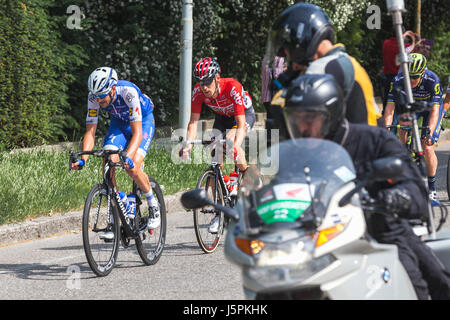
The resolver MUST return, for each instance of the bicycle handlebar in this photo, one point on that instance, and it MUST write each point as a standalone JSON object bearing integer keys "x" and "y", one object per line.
{"x": 204, "y": 142}
{"x": 406, "y": 128}
{"x": 98, "y": 153}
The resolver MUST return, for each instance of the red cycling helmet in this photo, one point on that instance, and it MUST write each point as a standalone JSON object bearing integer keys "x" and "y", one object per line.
{"x": 206, "y": 68}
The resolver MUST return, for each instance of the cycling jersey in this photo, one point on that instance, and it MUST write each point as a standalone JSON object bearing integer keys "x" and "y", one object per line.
{"x": 232, "y": 101}
{"x": 429, "y": 89}
{"x": 129, "y": 105}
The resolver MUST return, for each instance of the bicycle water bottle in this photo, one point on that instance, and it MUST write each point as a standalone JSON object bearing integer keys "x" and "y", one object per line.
{"x": 132, "y": 205}
{"x": 234, "y": 178}
{"x": 227, "y": 181}
{"x": 124, "y": 199}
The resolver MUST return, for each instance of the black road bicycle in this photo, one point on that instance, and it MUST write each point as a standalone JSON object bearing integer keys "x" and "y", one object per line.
{"x": 105, "y": 220}
{"x": 418, "y": 158}
{"x": 211, "y": 180}
{"x": 410, "y": 145}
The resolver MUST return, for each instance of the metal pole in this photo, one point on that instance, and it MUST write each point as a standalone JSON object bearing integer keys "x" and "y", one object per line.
{"x": 418, "y": 17}
{"x": 186, "y": 65}
{"x": 395, "y": 9}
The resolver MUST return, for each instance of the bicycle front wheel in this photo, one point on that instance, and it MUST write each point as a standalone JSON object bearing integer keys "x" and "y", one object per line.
{"x": 150, "y": 243}
{"x": 207, "y": 238}
{"x": 100, "y": 231}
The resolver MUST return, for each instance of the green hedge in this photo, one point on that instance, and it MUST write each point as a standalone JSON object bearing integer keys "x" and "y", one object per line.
{"x": 34, "y": 73}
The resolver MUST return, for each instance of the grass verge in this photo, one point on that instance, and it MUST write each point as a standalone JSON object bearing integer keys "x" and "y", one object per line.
{"x": 39, "y": 184}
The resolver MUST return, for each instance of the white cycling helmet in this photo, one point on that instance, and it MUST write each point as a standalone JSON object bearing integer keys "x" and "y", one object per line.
{"x": 101, "y": 81}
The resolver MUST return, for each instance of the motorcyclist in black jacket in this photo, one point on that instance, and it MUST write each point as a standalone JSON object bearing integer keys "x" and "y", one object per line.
{"x": 315, "y": 107}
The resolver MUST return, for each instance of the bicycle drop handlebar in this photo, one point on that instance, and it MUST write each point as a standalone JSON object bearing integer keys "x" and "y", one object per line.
{"x": 99, "y": 153}
{"x": 204, "y": 142}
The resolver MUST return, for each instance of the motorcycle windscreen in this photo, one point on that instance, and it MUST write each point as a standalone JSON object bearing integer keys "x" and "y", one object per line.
{"x": 300, "y": 170}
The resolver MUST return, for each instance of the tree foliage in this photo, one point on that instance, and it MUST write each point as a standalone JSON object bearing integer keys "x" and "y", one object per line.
{"x": 34, "y": 72}
{"x": 44, "y": 64}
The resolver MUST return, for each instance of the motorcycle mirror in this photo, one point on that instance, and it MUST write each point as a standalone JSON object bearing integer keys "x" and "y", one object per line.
{"x": 194, "y": 199}
{"x": 382, "y": 170}
{"x": 386, "y": 168}
{"x": 197, "y": 198}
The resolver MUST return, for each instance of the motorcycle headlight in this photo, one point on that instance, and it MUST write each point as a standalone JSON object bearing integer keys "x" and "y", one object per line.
{"x": 280, "y": 274}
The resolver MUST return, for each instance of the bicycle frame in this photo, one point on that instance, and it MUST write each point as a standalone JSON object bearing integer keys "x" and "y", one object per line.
{"x": 215, "y": 166}
{"x": 112, "y": 190}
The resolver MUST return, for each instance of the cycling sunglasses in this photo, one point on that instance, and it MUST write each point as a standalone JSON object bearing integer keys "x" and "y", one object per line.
{"x": 100, "y": 95}
{"x": 206, "y": 82}
{"x": 416, "y": 76}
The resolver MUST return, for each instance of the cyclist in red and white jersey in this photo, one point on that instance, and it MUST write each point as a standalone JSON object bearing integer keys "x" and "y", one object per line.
{"x": 235, "y": 115}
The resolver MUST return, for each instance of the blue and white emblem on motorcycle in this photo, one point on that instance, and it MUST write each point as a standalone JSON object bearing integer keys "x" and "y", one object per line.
{"x": 386, "y": 275}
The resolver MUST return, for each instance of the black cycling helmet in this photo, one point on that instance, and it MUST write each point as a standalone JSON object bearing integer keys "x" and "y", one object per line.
{"x": 300, "y": 29}
{"x": 313, "y": 96}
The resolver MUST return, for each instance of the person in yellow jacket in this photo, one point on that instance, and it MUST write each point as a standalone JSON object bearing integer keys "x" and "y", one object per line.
{"x": 304, "y": 34}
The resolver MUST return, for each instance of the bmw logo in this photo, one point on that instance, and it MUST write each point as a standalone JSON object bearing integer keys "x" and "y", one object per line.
{"x": 386, "y": 275}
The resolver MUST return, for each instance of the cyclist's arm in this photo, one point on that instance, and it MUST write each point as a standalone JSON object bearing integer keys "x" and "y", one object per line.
{"x": 192, "y": 129}
{"x": 136, "y": 138}
{"x": 88, "y": 142}
{"x": 447, "y": 101}
{"x": 389, "y": 113}
{"x": 434, "y": 117}
{"x": 240, "y": 132}
{"x": 435, "y": 108}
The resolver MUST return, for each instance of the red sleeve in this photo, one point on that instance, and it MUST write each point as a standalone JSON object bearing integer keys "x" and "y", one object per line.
{"x": 197, "y": 99}
{"x": 236, "y": 91}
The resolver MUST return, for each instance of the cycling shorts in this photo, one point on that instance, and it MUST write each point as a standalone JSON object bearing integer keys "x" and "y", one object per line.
{"x": 223, "y": 123}
{"x": 119, "y": 134}
{"x": 426, "y": 120}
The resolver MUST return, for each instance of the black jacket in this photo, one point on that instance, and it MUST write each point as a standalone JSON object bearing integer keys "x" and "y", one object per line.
{"x": 367, "y": 143}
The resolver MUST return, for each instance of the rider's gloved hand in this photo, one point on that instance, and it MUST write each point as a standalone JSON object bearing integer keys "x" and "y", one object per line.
{"x": 396, "y": 199}
{"x": 81, "y": 163}
{"x": 129, "y": 162}
{"x": 184, "y": 153}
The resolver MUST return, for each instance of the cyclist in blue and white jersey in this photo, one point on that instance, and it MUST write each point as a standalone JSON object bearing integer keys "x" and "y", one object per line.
{"x": 132, "y": 127}
{"x": 425, "y": 86}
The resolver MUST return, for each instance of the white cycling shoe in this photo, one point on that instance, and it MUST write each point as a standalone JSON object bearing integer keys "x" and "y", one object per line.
{"x": 107, "y": 236}
{"x": 154, "y": 222}
{"x": 214, "y": 226}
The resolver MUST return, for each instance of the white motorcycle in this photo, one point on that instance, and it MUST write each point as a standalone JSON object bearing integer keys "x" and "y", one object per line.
{"x": 301, "y": 233}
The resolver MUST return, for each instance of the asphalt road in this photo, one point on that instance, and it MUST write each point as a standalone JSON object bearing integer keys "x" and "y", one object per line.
{"x": 55, "y": 268}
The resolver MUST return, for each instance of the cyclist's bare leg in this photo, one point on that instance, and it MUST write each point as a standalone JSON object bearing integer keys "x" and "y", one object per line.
{"x": 403, "y": 134}
{"x": 112, "y": 171}
{"x": 241, "y": 162}
{"x": 138, "y": 175}
{"x": 431, "y": 159}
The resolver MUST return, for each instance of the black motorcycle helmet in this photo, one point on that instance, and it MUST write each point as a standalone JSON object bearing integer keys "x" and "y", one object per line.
{"x": 300, "y": 29}
{"x": 314, "y": 106}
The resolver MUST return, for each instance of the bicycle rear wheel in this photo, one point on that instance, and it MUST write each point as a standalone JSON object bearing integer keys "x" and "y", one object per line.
{"x": 204, "y": 216}
{"x": 150, "y": 243}
{"x": 100, "y": 231}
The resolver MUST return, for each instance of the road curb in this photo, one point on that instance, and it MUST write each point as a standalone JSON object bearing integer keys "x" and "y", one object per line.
{"x": 44, "y": 227}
